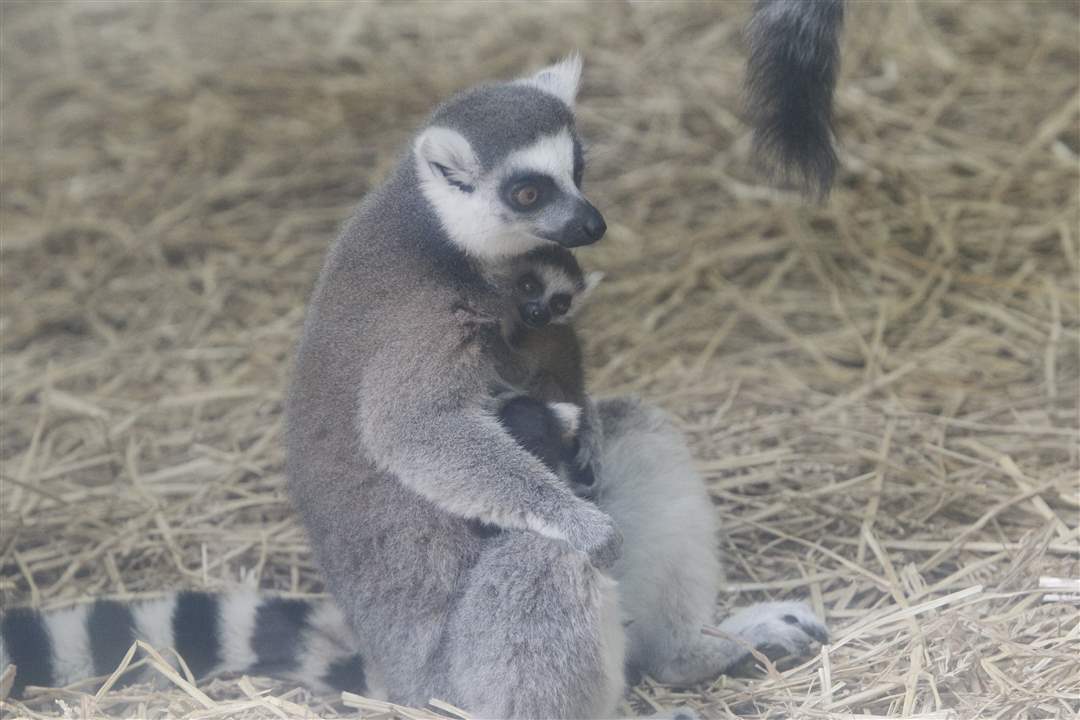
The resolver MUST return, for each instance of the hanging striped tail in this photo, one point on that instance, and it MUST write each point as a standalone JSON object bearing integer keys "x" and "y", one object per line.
{"x": 790, "y": 77}
{"x": 238, "y": 631}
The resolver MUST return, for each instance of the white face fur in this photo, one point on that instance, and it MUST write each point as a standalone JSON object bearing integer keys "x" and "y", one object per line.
{"x": 527, "y": 200}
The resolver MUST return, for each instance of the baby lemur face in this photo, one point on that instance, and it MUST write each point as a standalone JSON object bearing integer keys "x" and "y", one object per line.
{"x": 548, "y": 286}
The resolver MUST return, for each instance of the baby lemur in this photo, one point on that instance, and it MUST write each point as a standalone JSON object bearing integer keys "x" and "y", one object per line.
{"x": 545, "y": 289}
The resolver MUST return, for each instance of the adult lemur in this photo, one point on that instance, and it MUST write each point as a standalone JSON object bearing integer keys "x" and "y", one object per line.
{"x": 394, "y": 451}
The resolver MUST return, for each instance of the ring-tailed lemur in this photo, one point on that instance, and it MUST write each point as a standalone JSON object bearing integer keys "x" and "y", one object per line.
{"x": 790, "y": 76}
{"x": 393, "y": 447}
{"x": 545, "y": 289}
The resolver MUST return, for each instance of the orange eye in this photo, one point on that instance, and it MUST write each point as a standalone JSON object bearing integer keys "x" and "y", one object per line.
{"x": 526, "y": 195}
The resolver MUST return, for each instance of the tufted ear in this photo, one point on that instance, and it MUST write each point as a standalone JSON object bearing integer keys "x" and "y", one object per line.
{"x": 592, "y": 279}
{"x": 561, "y": 79}
{"x": 445, "y": 154}
{"x": 569, "y": 417}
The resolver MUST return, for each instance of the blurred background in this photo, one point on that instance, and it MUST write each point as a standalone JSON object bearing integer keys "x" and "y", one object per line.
{"x": 881, "y": 390}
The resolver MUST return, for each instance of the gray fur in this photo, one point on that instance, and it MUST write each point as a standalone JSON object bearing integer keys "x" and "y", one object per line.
{"x": 393, "y": 448}
{"x": 669, "y": 573}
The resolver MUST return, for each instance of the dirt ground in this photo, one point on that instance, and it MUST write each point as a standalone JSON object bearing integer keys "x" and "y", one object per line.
{"x": 881, "y": 390}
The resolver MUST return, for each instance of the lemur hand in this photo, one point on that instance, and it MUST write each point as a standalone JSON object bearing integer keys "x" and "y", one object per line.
{"x": 594, "y": 533}
{"x": 589, "y": 443}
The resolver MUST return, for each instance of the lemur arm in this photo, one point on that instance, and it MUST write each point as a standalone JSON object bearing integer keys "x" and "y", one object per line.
{"x": 427, "y": 418}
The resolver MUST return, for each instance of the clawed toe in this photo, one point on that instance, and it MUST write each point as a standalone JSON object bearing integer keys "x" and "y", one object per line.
{"x": 778, "y": 629}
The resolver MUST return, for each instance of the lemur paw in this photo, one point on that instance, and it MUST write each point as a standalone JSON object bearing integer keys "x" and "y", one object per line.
{"x": 778, "y": 629}
{"x": 587, "y": 452}
{"x": 594, "y": 533}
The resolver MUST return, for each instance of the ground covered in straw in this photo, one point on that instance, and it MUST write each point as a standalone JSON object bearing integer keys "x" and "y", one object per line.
{"x": 881, "y": 391}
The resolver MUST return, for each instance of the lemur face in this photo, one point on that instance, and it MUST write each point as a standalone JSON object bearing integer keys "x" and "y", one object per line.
{"x": 540, "y": 302}
{"x": 548, "y": 286}
{"x": 502, "y": 167}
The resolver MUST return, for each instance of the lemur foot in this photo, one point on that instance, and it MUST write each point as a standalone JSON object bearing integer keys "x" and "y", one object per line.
{"x": 777, "y": 629}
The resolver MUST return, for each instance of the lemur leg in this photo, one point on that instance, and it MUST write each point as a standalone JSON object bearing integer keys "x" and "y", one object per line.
{"x": 537, "y": 633}
{"x": 669, "y": 573}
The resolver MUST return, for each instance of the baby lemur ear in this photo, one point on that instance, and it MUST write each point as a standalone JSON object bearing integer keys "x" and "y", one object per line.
{"x": 447, "y": 156}
{"x": 592, "y": 279}
{"x": 561, "y": 79}
{"x": 569, "y": 417}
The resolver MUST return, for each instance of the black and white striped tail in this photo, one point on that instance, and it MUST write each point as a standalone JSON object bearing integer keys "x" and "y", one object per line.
{"x": 790, "y": 77}
{"x": 239, "y": 631}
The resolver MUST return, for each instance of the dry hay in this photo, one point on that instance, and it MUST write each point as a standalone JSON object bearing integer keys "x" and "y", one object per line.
{"x": 882, "y": 391}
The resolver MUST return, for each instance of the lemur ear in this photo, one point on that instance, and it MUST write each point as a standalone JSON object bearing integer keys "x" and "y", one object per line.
{"x": 561, "y": 79}
{"x": 592, "y": 279}
{"x": 445, "y": 154}
{"x": 569, "y": 417}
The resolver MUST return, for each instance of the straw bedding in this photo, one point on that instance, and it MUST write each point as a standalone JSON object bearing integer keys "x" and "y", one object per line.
{"x": 881, "y": 391}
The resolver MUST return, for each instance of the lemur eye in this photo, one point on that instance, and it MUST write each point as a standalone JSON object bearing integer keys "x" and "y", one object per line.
{"x": 529, "y": 285}
{"x": 526, "y": 195}
{"x": 560, "y": 304}
{"x": 528, "y": 192}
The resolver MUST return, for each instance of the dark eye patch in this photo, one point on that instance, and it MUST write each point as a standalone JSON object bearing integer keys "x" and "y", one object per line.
{"x": 530, "y": 285}
{"x": 560, "y": 304}
{"x": 545, "y": 190}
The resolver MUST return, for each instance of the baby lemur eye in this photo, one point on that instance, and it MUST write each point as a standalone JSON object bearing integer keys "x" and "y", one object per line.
{"x": 529, "y": 285}
{"x": 560, "y": 304}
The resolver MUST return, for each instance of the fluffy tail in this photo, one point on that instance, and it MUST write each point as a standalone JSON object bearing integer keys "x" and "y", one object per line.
{"x": 790, "y": 77}
{"x": 239, "y": 631}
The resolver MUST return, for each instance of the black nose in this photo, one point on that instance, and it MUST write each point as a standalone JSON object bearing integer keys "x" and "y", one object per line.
{"x": 585, "y": 227}
{"x": 594, "y": 224}
{"x": 534, "y": 314}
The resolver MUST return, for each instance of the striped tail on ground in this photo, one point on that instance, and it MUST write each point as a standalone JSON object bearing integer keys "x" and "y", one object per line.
{"x": 240, "y": 631}
{"x": 790, "y": 77}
